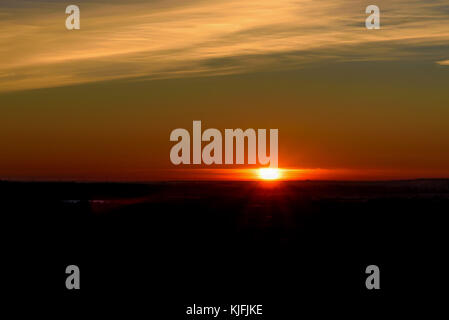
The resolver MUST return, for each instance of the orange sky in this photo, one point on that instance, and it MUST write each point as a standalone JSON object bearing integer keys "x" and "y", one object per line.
{"x": 99, "y": 103}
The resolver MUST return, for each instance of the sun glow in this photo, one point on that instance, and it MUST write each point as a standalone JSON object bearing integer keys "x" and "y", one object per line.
{"x": 269, "y": 173}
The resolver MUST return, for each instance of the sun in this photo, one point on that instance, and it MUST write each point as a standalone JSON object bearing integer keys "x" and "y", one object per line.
{"x": 269, "y": 173}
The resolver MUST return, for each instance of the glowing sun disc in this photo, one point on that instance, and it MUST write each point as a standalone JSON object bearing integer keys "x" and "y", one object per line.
{"x": 269, "y": 173}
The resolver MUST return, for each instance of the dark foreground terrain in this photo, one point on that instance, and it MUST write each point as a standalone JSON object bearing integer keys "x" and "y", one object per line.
{"x": 290, "y": 246}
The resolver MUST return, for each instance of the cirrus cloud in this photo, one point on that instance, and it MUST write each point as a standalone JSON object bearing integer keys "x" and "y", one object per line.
{"x": 170, "y": 39}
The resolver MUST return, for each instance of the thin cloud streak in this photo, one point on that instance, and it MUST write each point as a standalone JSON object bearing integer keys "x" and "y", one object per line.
{"x": 178, "y": 39}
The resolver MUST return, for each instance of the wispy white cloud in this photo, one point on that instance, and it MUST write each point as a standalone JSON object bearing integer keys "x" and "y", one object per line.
{"x": 163, "y": 39}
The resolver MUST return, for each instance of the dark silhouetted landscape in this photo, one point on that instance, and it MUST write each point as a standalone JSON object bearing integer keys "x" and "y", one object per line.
{"x": 277, "y": 243}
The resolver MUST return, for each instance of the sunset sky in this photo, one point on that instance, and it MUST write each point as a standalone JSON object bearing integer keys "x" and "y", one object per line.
{"x": 99, "y": 103}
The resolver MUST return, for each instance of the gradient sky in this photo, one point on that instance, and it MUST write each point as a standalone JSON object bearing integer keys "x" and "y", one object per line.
{"x": 99, "y": 103}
